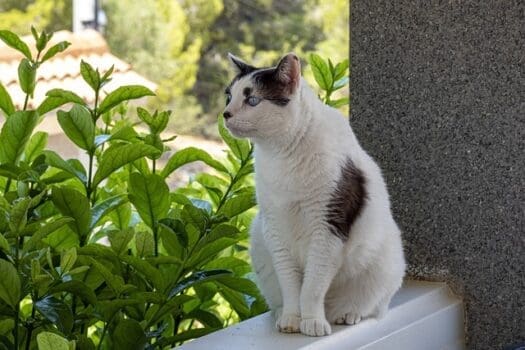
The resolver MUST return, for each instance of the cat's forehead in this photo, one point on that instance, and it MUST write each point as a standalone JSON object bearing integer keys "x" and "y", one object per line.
{"x": 240, "y": 84}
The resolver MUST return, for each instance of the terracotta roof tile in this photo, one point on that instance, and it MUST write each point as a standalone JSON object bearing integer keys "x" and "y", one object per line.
{"x": 63, "y": 71}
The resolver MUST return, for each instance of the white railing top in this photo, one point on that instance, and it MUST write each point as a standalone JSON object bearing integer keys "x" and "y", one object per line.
{"x": 418, "y": 307}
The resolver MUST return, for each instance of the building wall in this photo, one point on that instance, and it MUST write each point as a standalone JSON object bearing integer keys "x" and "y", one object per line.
{"x": 438, "y": 98}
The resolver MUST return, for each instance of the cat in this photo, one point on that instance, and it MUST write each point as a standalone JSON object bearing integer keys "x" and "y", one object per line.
{"x": 324, "y": 244}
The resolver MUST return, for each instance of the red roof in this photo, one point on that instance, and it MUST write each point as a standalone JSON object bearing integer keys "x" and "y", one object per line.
{"x": 63, "y": 70}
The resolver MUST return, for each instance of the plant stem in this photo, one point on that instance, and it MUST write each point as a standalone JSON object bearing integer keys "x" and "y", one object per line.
{"x": 102, "y": 337}
{"x": 154, "y": 165}
{"x": 26, "y": 101}
{"x": 17, "y": 307}
{"x": 17, "y": 321}
{"x": 7, "y": 185}
{"x": 30, "y": 328}
{"x": 90, "y": 175}
{"x": 156, "y": 239}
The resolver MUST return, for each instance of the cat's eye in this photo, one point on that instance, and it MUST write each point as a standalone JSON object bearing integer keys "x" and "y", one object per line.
{"x": 228, "y": 98}
{"x": 253, "y": 101}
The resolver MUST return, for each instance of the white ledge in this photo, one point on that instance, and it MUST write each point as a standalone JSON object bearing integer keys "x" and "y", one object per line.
{"x": 422, "y": 315}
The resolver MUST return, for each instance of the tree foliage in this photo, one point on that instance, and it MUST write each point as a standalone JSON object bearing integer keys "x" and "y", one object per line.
{"x": 182, "y": 45}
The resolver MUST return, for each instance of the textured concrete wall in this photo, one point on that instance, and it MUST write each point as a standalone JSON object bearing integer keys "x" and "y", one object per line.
{"x": 438, "y": 98}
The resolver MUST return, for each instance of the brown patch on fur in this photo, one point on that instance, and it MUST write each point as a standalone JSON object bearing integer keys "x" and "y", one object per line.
{"x": 347, "y": 201}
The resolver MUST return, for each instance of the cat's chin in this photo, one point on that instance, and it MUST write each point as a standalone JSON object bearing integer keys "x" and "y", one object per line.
{"x": 239, "y": 131}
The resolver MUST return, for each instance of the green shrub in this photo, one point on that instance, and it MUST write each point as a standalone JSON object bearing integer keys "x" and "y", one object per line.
{"x": 173, "y": 266}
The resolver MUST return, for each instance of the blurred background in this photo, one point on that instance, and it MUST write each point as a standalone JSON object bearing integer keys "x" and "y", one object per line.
{"x": 180, "y": 46}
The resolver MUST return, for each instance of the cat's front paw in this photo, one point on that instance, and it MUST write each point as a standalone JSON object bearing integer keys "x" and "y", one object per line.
{"x": 288, "y": 323}
{"x": 315, "y": 327}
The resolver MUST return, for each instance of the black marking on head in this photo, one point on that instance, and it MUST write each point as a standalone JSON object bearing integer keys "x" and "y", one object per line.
{"x": 247, "y": 91}
{"x": 347, "y": 201}
{"x": 270, "y": 88}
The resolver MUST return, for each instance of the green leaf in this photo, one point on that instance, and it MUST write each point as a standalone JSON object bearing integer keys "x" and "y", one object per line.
{"x": 196, "y": 216}
{"x": 44, "y": 231}
{"x": 68, "y": 259}
{"x": 15, "y": 134}
{"x": 74, "y": 204}
{"x": 128, "y": 334}
{"x": 321, "y": 71}
{"x": 6, "y": 103}
{"x": 14, "y": 41}
{"x": 238, "y": 266}
{"x": 55, "y": 161}
{"x": 57, "y": 312}
{"x": 240, "y": 284}
{"x": 62, "y": 239}
{"x": 90, "y": 76}
{"x": 35, "y": 146}
{"x": 4, "y": 244}
{"x": 121, "y": 216}
{"x": 240, "y": 147}
{"x": 56, "y": 98}
{"x": 27, "y": 76}
{"x": 18, "y": 216}
{"x": 207, "y": 318}
{"x": 144, "y": 243}
{"x": 340, "y": 69}
{"x": 176, "y": 227}
{"x": 103, "y": 208}
{"x": 78, "y": 288}
{"x": 148, "y": 270}
{"x": 78, "y": 126}
{"x": 120, "y": 240}
{"x": 117, "y": 156}
{"x": 42, "y": 40}
{"x": 115, "y": 282}
{"x": 340, "y": 102}
{"x": 188, "y": 155}
{"x": 51, "y": 341}
{"x": 53, "y": 50}
{"x": 197, "y": 277}
{"x": 237, "y": 205}
{"x": 121, "y": 94}
{"x": 236, "y": 301}
{"x": 187, "y": 335}
{"x": 108, "y": 309}
{"x": 9, "y": 284}
{"x": 150, "y": 195}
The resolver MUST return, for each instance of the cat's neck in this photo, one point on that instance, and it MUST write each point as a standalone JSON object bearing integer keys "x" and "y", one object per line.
{"x": 289, "y": 141}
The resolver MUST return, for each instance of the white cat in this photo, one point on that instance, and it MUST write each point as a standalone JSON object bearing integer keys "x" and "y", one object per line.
{"x": 324, "y": 245}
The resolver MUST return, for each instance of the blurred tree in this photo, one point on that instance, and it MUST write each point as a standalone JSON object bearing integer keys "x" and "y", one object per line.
{"x": 182, "y": 45}
{"x": 20, "y": 15}
{"x": 259, "y": 31}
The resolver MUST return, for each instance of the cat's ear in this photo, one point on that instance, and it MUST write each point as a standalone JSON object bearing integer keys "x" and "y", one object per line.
{"x": 240, "y": 66}
{"x": 288, "y": 71}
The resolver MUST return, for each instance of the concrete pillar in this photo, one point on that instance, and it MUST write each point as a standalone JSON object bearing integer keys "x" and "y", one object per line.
{"x": 438, "y": 98}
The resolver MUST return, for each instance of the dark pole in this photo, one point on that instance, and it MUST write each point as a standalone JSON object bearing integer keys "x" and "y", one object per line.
{"x": 96, "y": 14}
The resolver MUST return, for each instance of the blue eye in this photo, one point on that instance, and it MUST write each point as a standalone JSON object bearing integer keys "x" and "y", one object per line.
{"x": 253, "y": 101}
{"x": 228, "y": 98}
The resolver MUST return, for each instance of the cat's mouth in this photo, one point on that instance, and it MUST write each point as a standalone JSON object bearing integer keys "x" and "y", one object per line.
{"x": 239, "y": 130}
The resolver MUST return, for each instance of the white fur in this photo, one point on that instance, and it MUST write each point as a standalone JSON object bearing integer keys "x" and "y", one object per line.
{"x": 310, "y": 277}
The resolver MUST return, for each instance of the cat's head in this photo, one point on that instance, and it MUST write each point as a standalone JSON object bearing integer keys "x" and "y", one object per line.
{"x": 260, "y": 101}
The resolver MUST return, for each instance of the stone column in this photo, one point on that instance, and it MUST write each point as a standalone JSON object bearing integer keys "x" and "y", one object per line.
{"x": 438, "y": 98}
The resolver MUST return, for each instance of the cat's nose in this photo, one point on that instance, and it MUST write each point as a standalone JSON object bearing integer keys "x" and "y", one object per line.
{"x": 227, "y": 115}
